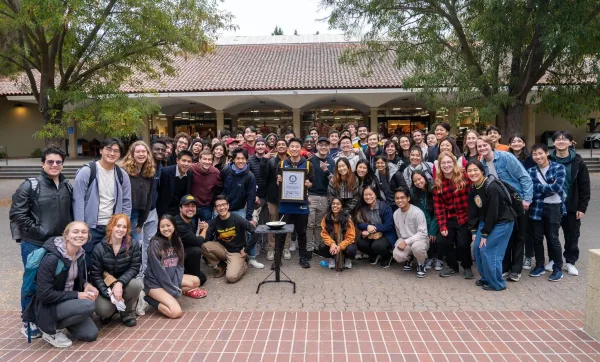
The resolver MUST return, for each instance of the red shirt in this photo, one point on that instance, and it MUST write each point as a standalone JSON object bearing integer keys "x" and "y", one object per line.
{"x": 449, "y": 203}
{"x": 248, "y": 148}
{"x": 205, "y": 184}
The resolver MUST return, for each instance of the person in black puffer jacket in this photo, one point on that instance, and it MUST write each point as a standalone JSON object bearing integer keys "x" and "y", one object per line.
{"x": 116, "y": 262}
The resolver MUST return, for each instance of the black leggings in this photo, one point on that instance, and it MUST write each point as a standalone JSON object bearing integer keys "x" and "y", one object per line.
{"x": 349, "y": 252}
{"x": 191, "y": 263}
{"x": 300, "y": 221}
{"x": 379, "y": 247}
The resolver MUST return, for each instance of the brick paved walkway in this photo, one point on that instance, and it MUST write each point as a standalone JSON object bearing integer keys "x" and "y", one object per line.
{"x": 324, "y": 336}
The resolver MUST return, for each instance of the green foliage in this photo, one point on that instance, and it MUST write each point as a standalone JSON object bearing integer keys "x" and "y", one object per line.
{"x": 278, "y": 31}
{"x": 3, "y": 154}
{"x": 69, "y": 52}
{"x": 488, "y": 54}
{"x": 36, "y": 153}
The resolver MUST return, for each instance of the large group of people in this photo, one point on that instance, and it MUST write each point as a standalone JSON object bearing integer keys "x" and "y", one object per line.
{"x": 135, "y": 233}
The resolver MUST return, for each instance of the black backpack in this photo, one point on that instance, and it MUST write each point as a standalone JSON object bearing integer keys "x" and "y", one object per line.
{"x": 94, "y": 169}
{"x": 513, "y": 200}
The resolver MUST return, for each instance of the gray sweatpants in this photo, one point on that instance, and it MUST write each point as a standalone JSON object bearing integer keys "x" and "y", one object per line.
{"x": 105, "y": 308}
{"x": 76, "y": 316}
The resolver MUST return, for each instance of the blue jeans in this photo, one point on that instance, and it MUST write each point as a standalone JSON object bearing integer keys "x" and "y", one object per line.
{"x": 242, "y": 213}
{"x": 204, "y": 213}
{"x": 489, "y": 257}
{"x": 27, "y": 247}
{"x": 96, "y": 235}
{"x": 135, "y": 216}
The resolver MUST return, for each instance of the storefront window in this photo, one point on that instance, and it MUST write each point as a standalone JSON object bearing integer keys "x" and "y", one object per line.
{"x": 328, "y": 118}
{"x": 266, "y": 120}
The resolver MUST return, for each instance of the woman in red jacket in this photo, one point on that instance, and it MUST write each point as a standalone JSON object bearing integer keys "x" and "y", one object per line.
{"x": 451, "y": 205}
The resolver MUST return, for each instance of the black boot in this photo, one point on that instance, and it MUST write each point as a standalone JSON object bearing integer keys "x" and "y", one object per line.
{"x": 304, "y": 261}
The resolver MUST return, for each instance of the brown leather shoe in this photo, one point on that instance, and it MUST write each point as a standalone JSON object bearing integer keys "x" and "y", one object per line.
{"x": 219, "y": 271}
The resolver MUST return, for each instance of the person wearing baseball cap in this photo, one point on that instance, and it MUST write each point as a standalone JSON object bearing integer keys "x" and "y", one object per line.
{"x": 232, "y": 144}
{"x": 186, "y": 225}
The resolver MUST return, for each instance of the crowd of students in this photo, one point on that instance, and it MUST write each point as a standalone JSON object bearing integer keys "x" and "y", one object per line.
{"x": 134, "y": 233}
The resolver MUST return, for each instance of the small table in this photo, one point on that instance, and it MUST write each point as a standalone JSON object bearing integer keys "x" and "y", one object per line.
{"x": 287, "y": 229}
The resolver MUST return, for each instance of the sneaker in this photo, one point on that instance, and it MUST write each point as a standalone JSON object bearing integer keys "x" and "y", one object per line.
{"x": 286, "y": 255}
{"x": 555, "y": 276}
{"x": 140, "y": 309}
{"x": 255, "y": 264}
{"x": 514, "y": 277}
{"x": 504, "y": 275}
{"x": 537, "y": 271}
{"x": 468, "y": 273}
{"x": 439, "y": 265}
{"x": 348, "y": 264}
{"x": 34, "y": 331}
{"x": 292, "y": 245}
{"x": 220, "y": 270}
{"x": 421, "y": 273}
{"x": 359, "y": 255}
{"x": 385, "y": 263}
{"x": 447, "y": 271}
{"x": 549, "y": 266}
{"x": 271, "y": 255}
{"x": 374, "y": 261}
{"x": 304, "y": 263}
{"x": 57, "y": 340}
{"x": 527, "y": 263}
{"x": 408, "y": 265}
{"x": 331, "y": 263}
{"x": 571, "y": 270}
{"x": 428, "y": 264}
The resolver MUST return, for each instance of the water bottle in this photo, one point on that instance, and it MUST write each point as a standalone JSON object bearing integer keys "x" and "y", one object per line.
{"x": 324, "y": 264}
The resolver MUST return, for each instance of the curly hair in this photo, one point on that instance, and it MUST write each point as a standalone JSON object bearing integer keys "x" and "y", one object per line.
{"x": 458, "y": 174}
{"x": 129, "y": 161}
{"x": 112, "y": 223}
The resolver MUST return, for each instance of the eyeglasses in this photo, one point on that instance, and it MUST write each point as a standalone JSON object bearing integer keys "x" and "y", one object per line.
{"x": 53, "y": 162}
{"x": 112, "y": 150}
{"x": 220, "y": 206}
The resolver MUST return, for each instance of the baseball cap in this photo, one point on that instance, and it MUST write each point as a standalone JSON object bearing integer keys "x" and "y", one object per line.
{"x": 323, "y": 139}
{"x": 187, "y": 199}
{"x": 231, "y": 140}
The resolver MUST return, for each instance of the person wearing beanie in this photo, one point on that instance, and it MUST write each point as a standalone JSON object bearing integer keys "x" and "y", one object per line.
{"x": 196, "y": 147}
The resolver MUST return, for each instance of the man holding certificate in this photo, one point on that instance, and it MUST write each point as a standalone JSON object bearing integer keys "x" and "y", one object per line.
{"x": 295, "y": 176}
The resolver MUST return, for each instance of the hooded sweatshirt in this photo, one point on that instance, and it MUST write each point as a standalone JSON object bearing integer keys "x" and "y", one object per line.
{"x": 164, "y": 270}
{"x": 240, "y": 188}
{"x": 577, "y": 183}
{"x": 61, "y": 246}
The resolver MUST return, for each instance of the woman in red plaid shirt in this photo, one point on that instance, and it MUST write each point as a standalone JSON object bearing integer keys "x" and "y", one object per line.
{"x": 451, "y": 205}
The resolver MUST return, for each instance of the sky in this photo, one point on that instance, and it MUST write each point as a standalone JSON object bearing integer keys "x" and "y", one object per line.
{"x": 259, "y": 17}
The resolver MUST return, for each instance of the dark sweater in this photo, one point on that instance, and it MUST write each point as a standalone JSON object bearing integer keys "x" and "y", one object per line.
{"x": 240, "y": 188}
{"x": 141, "y": 196}
{"x": 206, "y": 185}
{"x": 488, "y": 204}
{"x": 258, "y": 167}
{"x": 321, "y": 182}
{"x": 231, "y": 233}
{"x": 578, "y": 193}
{"x": 187, "y": 232}
{"x": 270, "y": 177}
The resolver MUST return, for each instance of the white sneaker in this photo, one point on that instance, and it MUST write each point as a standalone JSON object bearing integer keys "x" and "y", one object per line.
{"x": 348, "y": 264}
{"x": 572, "y": 270}
{"x": 359, "y": 255}
{"x": 549, "y": 266}
{"x": 331, "y": 263}
{"x": 292, "y": 245}
{"x": 140, "y": 309}
{"x": 58, "y": 340}
{"x": 271, "y": 255}
{"x": 287, "y": 255}
{"x": 35, "y": 331}
{"x": 255, "y": 264}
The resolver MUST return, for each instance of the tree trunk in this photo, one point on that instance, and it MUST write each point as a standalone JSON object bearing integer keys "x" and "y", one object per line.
{"x": 513, "y": 121}
{"x": 55, "y": 119}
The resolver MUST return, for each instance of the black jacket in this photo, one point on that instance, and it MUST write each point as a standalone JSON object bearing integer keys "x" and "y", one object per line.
{"x": 166, "y": 188}
{"x": 187, "y": 232}
{"x": 51, "y": 288}
{"x": 124, "y": 266}
{"x": 240, "y": 189}
{"x": 141, "y": 196}
{"x": 258, "y": 166}
{"x": 42, "y": 217}
{"x": 488, "y": 204}
{"x": 271, "y": 180}
{"x": 432, "y": 153}
{"x": 579, "y": 195}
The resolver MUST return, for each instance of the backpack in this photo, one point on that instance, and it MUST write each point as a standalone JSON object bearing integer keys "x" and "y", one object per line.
{"x": 29, "y": 287}
{"x": 94, "y": 170}
{"x": 513, "y": 200}
{"x": 33, "y": 195}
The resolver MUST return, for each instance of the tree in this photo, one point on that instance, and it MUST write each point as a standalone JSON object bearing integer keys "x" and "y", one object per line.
{"x": 277, "y": 31}
{"x": 485, "y": 54}
{"x": 75, "y": 56}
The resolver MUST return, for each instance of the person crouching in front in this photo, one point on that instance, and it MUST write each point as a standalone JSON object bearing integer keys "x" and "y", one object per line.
{"x": 338, "y": 234}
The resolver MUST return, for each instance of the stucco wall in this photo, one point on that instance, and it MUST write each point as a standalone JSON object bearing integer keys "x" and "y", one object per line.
{"x": 18, "y": 125}
{"x": 547, "y": 122}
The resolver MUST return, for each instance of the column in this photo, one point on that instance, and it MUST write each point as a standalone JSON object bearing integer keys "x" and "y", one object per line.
{"x": 170, "y": 127}
{"x": 146, "y": 130}
{"x": 72, "y": 131}
{"x": 296, "y": 121}
{"x": 220, "y": 121}
{"x": 234, "y": 123}
{"x": 592, "y": 307}
{"x": 374, "y": 126}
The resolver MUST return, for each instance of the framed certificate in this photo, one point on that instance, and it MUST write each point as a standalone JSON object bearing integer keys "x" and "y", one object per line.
{"x": 292, "y": 187}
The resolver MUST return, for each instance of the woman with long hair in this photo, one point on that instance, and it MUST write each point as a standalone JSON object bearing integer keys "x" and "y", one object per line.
{"x": 343, "y": 185}
{"x": 404, "y": 152}
{"x": 388, "y": 178}
{"x": 116, "y": 262}
{"x": 518, "y": 147}
{"x": 139, "y": 165}
{"x": 219, "y": 155}
{"x": 451, "y": 205}
{"x": 164, "y": 280}
{"x": 365, "y": 177}
{"x": 338, "y": 235}
{"x": 470, "y": 148}
{"x": 375, "y": 222}
{"x": 421, "y": 195}
{"x": 416, "y": 164}
{"x": 491, "y": 222}
{"x": 64, "y": 300}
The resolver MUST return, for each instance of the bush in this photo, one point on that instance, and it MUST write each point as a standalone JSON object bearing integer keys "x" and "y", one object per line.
{"x": 36, "y": 153}
{"x": 2, "y": 155}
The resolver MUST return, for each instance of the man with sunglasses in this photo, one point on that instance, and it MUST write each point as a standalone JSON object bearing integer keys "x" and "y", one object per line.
{"x": 41, "y": 209}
